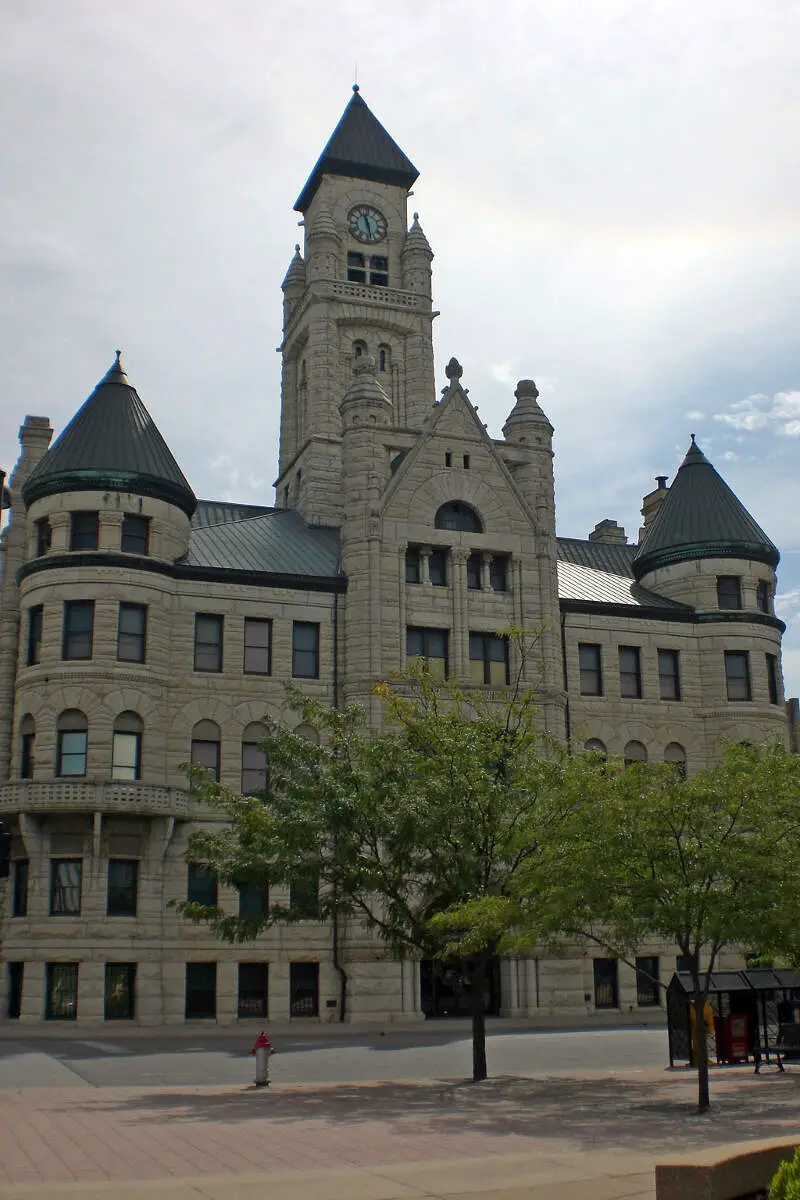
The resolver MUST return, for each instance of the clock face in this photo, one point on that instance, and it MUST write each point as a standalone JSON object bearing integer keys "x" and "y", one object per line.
{"x": 366, "y": 224}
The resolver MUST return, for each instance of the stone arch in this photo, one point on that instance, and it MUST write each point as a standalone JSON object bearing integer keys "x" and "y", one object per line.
{"x": 675, "y": 754}
{"x": 635, "y": 751}
{"x": 307, "y": 733}
{"x": 595, "y": 746}
{"x": 467, "y": 488}
{"x": 458, "y": 516}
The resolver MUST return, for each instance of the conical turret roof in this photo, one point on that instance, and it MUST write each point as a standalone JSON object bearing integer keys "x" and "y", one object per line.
{"x": 701, "y": 518}
{"x": 111, "y": 443}
{"x": 359, "y": 147}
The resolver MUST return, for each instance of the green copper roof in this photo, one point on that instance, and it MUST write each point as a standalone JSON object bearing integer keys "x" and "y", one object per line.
{"x": 111, "y": 443}
{"x": 361, "y": 148}
{"x": 701, "y": 518}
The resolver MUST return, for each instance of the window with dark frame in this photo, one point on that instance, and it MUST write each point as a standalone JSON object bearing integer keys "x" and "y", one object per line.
{"x": 16, "y": 975}
{"x": 764, "y": 596}
{"x": 65, "y": 886}
{"x": 669, "y": 678}
{"x": 253, "y": 900}
{"x": 379, "y": 270}
{"x": 304, "y": 989}
{"x": 356, "y": 267}
{"x": 305, "y": 650}
{"x": 737, "y": 675}
{"x": 44, "y": 537}
{"x": 648, "y": 989}
{"x": 27, "y": 746}
{"x": 630, "y": 672}
{"x": 430, "y": 645}
{"x": 72, "y": 743}
{"x": 19, "y": 893}
{"x": 84, "y": 531}
{"x": 207, "y": 642}
{"x": 606, "y": 989}
{"x": 772, "y": 679}
{"x": 254, "y": 769}
{"x": 201, "y": 991}
{"x": 498, "y": 573}
{"x": 135, "y": 534}
{"x": 591, "y": 669}
{"x": 205, "y": 747}
{"x": 123, "y": 883}
{"x": 457, "y": 515}
{"x": 78, "y": 629}
{"x": 488, "y": 658}
{"x": 437, "y": 568}
{"x": 474, "y": 567}
{"x": 35, "y": 627}
{"x": 304, "y": 896}
{"x": 729, "y": 591}
{"x": 126, "y": 747}
{"x": 201, "y": 885}
{"x": 257, "y": 646}
{"x": 413, "y": 565}
{"x": 61, "y": 991}
{"x": 120, "y": 992}
{"x": 252, "y": 999}
{"x": 132, "y": 633}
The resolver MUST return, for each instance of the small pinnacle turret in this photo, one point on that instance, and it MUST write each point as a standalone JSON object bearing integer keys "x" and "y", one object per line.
{"x": 296, "y": 273}
{"x": 526, "y": 418}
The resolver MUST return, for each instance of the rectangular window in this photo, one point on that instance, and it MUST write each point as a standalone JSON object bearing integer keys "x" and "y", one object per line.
{"x": 591, "y": 669}
{"x": 474, "y": 565}
{"x": 27, "y": 752}
{"x": 78, "y": 629}
{"x": 305, "y": 650}
{"x": 135, "y": 537}
{"x": 207, "y": 642}
{"x": 123, "y": 879}
{"x": 772, "y": 679}
{"x": 379, "y": 270}
{"x": 61, "y": 1001}
{"x": 19, "y": 897}
{"x": 737, "y": 675}
{"x": 16, "y": 972}
{"x": 257, "y": 646}
{"x": 648, "y": 991}
{"x": 120, "y": 991}
{"x": 606, "y": 992}
{"x": 201, "y": 991}
{"x": 254, "y": 769}
{"x": 253, "y": 981}
{"x": 65, "y": 886}
{"x": 35, "y": 623}
{"x": 488, "y": 658}
{"x": 126, "y": 756}
{"x": 71, "y": 752}
{"x": 303, "y": 989}
{"x": 669, "y": 678}
{"x": 430, "y": 645}
{"x": 437, "y": 568}
{"x": 413, "y": 573}
{"x": 356, "y": 267}
{"x": 132, "y": 633}
{"x": 764, "y": 596}
{"x": 44, "y": 536}
{"x": 84, "y": 531}
{"x": 253, "y": 900}
{"x": 630, "y": 672}
{"x": 498, "y": 573}
{"x": 729, "y": 591}
{"x": 206, "y": 754}
{"x": 304, "y": 897}
{"x": 201, "y": 887}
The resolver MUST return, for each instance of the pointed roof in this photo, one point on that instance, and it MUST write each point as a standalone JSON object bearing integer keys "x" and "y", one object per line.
{"x": 111, "y": 443}
{"x": 701, "y": 518}
{"x": 361, "y": 148}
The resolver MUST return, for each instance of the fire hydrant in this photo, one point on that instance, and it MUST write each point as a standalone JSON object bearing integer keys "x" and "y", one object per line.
{"x": 262, "y": 1049}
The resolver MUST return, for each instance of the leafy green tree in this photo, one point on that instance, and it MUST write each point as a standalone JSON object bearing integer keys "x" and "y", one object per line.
{"x": 786, "y": 1183}
{"x": 705, "y": 863}
{"x": 423, "y": 830}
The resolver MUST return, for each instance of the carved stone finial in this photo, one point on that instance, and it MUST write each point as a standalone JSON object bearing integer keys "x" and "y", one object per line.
{"x": 297, "y": 247}
{"x": 526, "y": 387}
{"x": 454, "y": 370}
{"x": 415, "y": 216}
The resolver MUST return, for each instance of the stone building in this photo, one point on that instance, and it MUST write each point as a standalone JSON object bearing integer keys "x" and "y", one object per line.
{"x": 141, "y": 627}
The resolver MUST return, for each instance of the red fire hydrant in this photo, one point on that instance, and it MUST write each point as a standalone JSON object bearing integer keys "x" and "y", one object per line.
{"x": 262, "y": 1049}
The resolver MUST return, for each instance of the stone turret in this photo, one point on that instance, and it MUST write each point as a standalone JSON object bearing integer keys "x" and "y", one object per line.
{"x": 528, "y": 429}
{"x": 417, "y": 257}
{"x": 294, "y": 283}
{"x": 323, "y": 246}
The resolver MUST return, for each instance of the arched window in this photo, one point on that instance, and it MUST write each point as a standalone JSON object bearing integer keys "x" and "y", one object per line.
{"x": 634, "y": 752}
{"x": 72, "y": 741}
{"x": 308, "y": 733}
{"x": 384, "y": 358}
{"x": 27, "y": 743}
{"x": 456, "y": 515}
{"x": 359, "y": 348}
{"x": 126, "y": 753}
{"x": 205, "y": 746}
{"x": 254, "y": 760}
{"x": 595, "y": 746}
{"x": 676, "y": 755}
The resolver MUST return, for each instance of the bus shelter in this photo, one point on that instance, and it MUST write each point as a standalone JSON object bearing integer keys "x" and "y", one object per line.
{"x": 751, "y": 1014}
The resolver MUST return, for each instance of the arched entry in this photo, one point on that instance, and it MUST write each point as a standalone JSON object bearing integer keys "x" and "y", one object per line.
{"x": 446, "y": 988}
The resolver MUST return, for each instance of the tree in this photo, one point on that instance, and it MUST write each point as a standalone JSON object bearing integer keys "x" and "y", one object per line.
{"x": 422, "y": 830}
{"x": 706, "y": 863}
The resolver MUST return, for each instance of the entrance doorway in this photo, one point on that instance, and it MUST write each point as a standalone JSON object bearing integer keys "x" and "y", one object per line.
{"x": 446, "y": 988}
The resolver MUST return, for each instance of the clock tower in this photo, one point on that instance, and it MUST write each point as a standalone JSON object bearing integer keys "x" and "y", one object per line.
{"x": 359, "y": 287}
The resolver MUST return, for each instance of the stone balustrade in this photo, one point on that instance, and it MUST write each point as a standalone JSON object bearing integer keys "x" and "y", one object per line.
{"x": 88, "y": 795}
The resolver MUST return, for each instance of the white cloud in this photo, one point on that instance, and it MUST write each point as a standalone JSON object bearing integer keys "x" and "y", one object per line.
{"x": 779, "y": 413}
{"x": 695, "y": 415}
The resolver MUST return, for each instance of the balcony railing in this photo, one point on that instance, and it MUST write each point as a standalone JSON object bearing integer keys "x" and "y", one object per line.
{"x": 86, "y": 795}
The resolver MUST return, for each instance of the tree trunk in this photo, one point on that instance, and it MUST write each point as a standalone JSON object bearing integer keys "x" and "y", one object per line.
{"x": 479, "y": 1071}
{"x": 701, "y": 1050}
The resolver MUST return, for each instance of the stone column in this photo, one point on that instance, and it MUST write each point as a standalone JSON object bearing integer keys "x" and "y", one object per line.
{"x": 424, "y": 566}
{"x": 459, "y": 650}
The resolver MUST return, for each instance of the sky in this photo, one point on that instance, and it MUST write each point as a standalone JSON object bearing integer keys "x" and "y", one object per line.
{"x": 610, "y": 189}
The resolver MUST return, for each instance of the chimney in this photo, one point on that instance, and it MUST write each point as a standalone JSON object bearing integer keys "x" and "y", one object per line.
{"x": 609, "y": 533}
{"x": 652, "y": 503}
